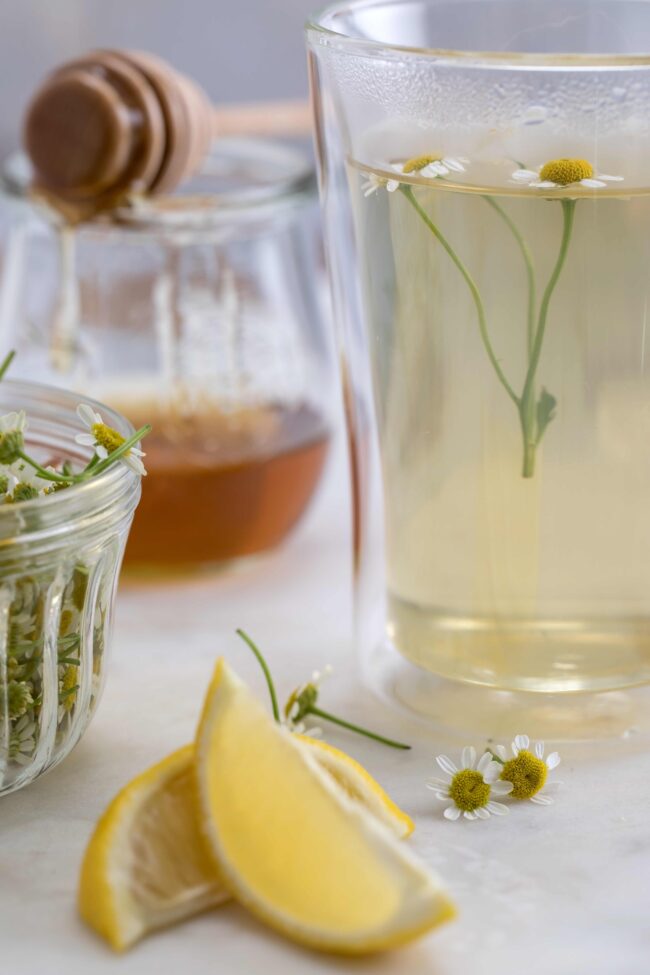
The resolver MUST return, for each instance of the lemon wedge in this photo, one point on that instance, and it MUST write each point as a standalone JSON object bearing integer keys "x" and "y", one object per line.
{"x": 293, "y": 847}
{"x": 146, "y": 865}
{"x": 360, "y": 786}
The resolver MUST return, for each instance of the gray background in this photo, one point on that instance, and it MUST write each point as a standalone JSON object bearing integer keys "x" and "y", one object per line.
{"x": 238, "y": 50}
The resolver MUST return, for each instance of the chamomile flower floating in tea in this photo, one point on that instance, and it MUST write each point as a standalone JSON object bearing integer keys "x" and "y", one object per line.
{"x": 433, "y": 167}
{"x": 468, "y": 791}
{"x": 373, "y": 182}
{"x": 559, "y": 173}
{"x": 526, "y": 771}
{"x": 536, "y": 408}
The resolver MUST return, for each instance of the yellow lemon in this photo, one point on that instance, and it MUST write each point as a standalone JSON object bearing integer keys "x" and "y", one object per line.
{"x": 292, "y": 845}
{"x": 360, "y": 786}
{"x": 146, "y": 864}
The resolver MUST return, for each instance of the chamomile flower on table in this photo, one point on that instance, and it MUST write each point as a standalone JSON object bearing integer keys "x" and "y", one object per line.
{"x": 472, "y": 789}
{"x": 558, "y": 173}
{"x": 300, "y": 703}
{"x": 104, "y": 440}
{"x": 527, "y": 771}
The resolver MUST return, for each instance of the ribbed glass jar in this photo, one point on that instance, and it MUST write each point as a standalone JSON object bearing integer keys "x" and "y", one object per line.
{"x": 59, "y": 562}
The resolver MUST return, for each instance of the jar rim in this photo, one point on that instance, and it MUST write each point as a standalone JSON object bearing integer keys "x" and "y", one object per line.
{"x": 117, "y": 479}
{"x": 321, "y": 30}
{"x": 240, "y": 178}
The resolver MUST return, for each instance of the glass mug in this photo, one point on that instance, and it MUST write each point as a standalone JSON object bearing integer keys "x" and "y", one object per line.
{"x": 484, "y": 170}
{"x": 199, "y": 312}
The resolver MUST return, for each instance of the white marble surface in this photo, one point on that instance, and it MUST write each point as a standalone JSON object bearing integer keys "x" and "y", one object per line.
{"x": 562, "y": 890}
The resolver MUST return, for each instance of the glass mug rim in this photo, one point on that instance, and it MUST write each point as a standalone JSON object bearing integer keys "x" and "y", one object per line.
{"x": 321, "y": 31}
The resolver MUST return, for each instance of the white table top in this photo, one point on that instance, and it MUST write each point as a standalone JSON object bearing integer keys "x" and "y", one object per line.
{"x": 563, "y": 889}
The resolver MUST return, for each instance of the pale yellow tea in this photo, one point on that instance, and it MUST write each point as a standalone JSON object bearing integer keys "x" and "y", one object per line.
{"x": 507, "y": 315}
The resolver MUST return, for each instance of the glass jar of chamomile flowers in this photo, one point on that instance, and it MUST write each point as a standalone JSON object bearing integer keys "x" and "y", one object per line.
{"x": 69, "y": 485}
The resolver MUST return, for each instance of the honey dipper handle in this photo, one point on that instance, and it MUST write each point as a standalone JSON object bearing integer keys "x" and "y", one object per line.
{"x": 287, "y": 118}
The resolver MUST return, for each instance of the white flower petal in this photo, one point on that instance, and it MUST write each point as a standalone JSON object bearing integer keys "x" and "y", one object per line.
{"x": 452, "y": 812}
{"x": 545, "y": 184}
{"x": 454, "y": 165}
{"x": 482, "y": 812}
{"x": 524, "y": 175}
{"x": 501, "y": 752}
{"x": 434, "y": 787}
{"x": 392, "y": 185}
{"x": 483, "y": 762}
{"x": 87, "y": 415}
{"x": 542, "y": 800}
{"x": 592, "y": 184}
{"x": 469, "y": 815}
{"x": 610, "y": 179}
{"x": 101, "y": 452}
{"x": 86, "y": 439}
{"x": 553, "y": 760}
{"x": 539, "y": 749}
{"x": 502, "y": 788}
{"x": 520, "y": 743}
{"x": 446, "y": 764}
{"x": 493, "y": 772}
{"x": 469, "y": 756}
{"x": 437, "y": 783}
{"x": 497, "y": 808}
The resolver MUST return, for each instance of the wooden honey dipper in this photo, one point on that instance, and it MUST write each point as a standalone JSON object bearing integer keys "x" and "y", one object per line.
{"x": 115, "y": 122}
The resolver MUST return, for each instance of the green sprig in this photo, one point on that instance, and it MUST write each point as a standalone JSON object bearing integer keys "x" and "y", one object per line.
{"x": 308, "y": 699}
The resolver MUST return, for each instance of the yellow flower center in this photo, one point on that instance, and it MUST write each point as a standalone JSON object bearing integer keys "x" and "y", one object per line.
{"x": 527, "y": 774}
{"x": 107, "y": 437}
{"x": 565, "y": 171}
{"x": 69, "y": 687}
{"x": 419, "y": 162}
{"x": 469, "y": 790}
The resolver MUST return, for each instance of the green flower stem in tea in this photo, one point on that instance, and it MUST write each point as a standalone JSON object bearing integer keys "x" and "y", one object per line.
{"x": 535, "y": 413}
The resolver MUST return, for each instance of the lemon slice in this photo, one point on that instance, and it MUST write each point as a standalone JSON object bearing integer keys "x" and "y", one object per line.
{"x": 360, "y": 786}
{"x": 146, "y": 865}
{"x": 292, "y": 845}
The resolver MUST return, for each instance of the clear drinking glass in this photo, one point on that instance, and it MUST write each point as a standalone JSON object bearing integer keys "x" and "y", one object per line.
{"x": 59, "y": 562}
{"x": 485, "y": 181}
{"x": 200, "y": 313}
